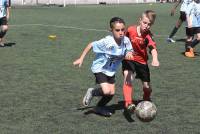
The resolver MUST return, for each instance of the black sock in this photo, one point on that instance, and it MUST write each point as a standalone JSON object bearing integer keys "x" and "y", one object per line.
{"x": 104, "y": 100}
{"x": 2, "y": 34}
{"x": 173, "y": 32}
{"x": 188, "y": 46}
{"x": 97, "y": 92}
{"x": 194, "y": 43}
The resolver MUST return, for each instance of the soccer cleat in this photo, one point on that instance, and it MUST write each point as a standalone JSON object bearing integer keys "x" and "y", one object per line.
{"x": 88, "y": 97}
{"x": 2, "y": 44}
{"x": 131, "y": 108}
{"x": 170, "y": 40}
{"x": 102, "y": 111}
{"x": 190, "y": 53}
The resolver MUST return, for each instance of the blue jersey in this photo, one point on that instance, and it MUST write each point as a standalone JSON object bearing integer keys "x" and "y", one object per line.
{"x": 193, "y": 11}
{"x": 109, "y": 54}
{"x": 3, "y": 7}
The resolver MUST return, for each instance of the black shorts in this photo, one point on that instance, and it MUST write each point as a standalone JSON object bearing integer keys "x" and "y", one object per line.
{"x": 3, "y": 21}
{"x": 141, "y": 70}
{"x": 102, "y": 78}
{"x": 182, "y": 16}
{"x": 192, "y": 31}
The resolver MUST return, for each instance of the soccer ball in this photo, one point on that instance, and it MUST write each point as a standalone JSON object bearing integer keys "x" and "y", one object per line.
{"x": 146, "y": 111}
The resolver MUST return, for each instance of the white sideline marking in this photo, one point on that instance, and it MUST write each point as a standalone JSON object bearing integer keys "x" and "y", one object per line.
{"x": 56, "y": 26}
{"x": 79, "y": 28}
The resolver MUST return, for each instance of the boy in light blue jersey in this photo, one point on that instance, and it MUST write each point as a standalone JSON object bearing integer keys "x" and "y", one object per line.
{"x": 109, "y": 53}
{"x": 4, "y": 16}
{"x": 193, "y": 22}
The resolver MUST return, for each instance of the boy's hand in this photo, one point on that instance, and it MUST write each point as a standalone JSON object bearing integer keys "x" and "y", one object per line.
{"x": 78, "y": 62}
{"x": 155, "y": 63}
{"x": 129, "y": 55}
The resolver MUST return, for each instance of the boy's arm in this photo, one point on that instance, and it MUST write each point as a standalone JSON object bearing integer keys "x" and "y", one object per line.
{"x": 8, "y": 13}
{"x": 175, "y": 6}
{"x": 8, "y": 6}
{"x": 155, "y": 61}
{"x": 79, "y": 61}
{"x": 153, "y": 50}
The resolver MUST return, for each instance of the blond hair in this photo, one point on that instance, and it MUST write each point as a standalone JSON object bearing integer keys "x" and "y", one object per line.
{"x": 150, "y": 14}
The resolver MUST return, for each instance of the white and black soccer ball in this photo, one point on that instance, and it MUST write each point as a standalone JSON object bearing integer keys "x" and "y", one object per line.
{"x": 146, "y": 111}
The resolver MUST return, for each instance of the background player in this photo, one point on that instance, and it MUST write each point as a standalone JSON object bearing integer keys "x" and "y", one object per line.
{"x": 4, "y": 17}
{"x": 181, "y": 19}
{"x": 193, "y": 22}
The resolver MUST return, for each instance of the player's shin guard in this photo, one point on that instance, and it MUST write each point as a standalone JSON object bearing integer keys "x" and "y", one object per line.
{"x": 147, "y": 94}
{"x": 127, "y": 92}
{"x": 104, "y": 100}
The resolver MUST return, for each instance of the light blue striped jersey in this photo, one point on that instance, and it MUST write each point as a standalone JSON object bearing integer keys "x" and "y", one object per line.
{"x": 184, "y": 5}
{"x": 109, "y": 55}
{"x": 193, "y": 11}
{"x": 3, "y": 6}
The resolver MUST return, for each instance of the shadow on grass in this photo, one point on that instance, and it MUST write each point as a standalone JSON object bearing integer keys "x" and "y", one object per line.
{"x": 112, "y": 108}
{"x": 9, "y": 44}
{"x": 181, "y": 40}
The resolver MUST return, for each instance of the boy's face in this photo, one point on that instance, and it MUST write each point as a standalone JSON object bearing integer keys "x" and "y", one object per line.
{"x": 118, "y": 30}
{"x": 145, "y": 24}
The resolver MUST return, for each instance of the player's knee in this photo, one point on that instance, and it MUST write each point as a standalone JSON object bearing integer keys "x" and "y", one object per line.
{"x": 109, "y": 91}
{"x": 198, "y": 38}
{"x": 4, "y": 28}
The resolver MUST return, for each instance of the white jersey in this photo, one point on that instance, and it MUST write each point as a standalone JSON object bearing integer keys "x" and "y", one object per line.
{"x": 184, "y": 5}
{"x": 3, "y": 7}
{"x": 193, "y": 11}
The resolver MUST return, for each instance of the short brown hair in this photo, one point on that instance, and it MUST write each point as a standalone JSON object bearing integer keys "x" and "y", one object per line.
{"x": 116, "y": 20}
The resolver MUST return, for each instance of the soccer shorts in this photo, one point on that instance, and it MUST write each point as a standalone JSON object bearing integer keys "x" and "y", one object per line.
{"x": 192, "y": 31}
{"x": 3, "y": 21}
{"x": 141, "y": 70}
{"x": 102, "y": 78}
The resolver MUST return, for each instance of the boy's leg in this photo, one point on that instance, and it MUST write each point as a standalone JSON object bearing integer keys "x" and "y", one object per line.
{"x": 4, "y": 29}
{"x": 197, "y": 40}
{"x": 108, "y": 93}
{"x": 147, "y": 91}
{"x": 127, "y": 88}
{"x": 175, "y": 29}
{"x": 188, "y": 45}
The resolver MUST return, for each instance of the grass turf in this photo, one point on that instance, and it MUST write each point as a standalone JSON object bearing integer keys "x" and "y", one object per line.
{"x": 41, "y": 92}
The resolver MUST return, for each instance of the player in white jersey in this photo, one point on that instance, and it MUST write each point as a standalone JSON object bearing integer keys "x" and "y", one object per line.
{"x": 181, "y": 19}
{"x": 4, "y": 16}
{"x": 193, "y": 23}
{"x": 110, "y": 51}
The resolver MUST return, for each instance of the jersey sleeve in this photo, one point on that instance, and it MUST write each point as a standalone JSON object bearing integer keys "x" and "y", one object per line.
{"x": 150, "y": 42}
{"x": 99, "y": 46}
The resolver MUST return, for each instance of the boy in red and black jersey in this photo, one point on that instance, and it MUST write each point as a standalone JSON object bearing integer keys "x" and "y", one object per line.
{"x": 141, "y": 39}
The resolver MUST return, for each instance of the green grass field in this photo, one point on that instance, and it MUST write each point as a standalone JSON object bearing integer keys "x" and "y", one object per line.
{"x": 41, "y": 92}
